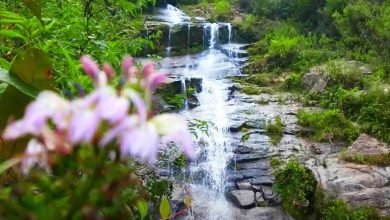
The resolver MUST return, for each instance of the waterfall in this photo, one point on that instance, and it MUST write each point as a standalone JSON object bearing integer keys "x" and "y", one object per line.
{"x": 229, "y": 26}
{"x": 169, "y": 41}
{"x": 214, "y": 27}
{"x": 184, "y": 93}
{"x": 208, "y": 175}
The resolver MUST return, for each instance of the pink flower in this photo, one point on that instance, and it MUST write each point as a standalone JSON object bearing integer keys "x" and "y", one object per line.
{"x": 138, "y": 102}
{"x": 173, "y": 128}
{"x": 35, "y": 154}
{"x": 127, "y": 63}
{"x": 83, "y": 126}
{"x": 109, "y": 106}
{"x": 147, "y": 70}
{"x": 48, "y": 105}
{"x": 107, "y": 69}
{"x": 142, "y": 142}
{"x": 90, "y": 67}
{"x": 16, "y": 129}
{"x": 122, "y": 127}
{"x": 155, "y": 80}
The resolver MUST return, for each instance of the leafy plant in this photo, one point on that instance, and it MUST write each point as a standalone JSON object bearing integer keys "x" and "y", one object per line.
{"x": 296, "y": 186}
{"x": 329, "y": 124}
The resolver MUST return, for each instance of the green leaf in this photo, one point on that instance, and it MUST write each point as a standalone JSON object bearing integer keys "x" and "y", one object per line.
{"x": 33, "y": 67}
{"x": 12, "y": 34}
{"x": 165, "y": 208}
{"x": 11, "y": 21}
{"x": 4, "y": 63}
{"x": 10, "y": 15}
{"x": 9, "y": 163}
{"x": 17, "y": 83}
{"x": 34, "y": 6}
{"x": 142, "y": 207}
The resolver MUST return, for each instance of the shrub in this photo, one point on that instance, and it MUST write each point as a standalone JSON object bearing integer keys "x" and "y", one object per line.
{"x": 293, "y": 82}
{"x": 296, "y": 186}
{"x": 344, "y": 74}
{"x": 328, "y": 123}
{"x": 222, "y": 9}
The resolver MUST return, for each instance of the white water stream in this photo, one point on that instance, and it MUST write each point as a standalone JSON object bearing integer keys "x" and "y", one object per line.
{"x": 213, "y": 65}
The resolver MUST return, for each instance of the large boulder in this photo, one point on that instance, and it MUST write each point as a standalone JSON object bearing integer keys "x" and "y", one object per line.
{"x": 318, "y": 78}
{"x": 360, "y": 185}
{"x": 366, "y": 145}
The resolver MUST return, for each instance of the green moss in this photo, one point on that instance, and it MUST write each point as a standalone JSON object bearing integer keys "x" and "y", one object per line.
{"x": 245, "y": 137}
{"x": 275, "y": 130}
{"x": 275, "y": 162}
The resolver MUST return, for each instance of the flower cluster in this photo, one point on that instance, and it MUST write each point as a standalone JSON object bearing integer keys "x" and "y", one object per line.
{"x": 104, "y": 117}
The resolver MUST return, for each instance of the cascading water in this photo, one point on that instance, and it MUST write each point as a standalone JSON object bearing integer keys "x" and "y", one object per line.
{"x": 208, "y": 173}
{"x": 230, "y": 32}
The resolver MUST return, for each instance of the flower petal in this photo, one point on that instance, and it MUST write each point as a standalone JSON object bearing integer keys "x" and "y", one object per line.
{"x": 89, "y": 66}
{"x": 83, "y": 126}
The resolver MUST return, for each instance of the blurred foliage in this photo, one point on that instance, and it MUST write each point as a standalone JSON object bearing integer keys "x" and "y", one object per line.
{"x": 83, "y": 185}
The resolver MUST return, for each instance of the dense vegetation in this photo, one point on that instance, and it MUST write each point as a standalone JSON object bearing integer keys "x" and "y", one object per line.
{"x": 294, "y": 36}
{"x": 66, "y": 173}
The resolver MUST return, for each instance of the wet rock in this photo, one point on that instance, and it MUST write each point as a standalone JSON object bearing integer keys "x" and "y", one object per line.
{"x": 260, "y": 200}
{"x": 234, "y": 176}
{"x": 193, "y": 101}
{"x": 243, "y": 185}
{"x": 250, "y": 173}
{"x": 242, "y": 149}
{"x": 366, "y": 145}
{"x": 263, "y": 180}
{"x": 242, "y": 198}
{"x": 261, "y": 165}
{"x": 249, "y": 157}
{"x": 195, "y": 83}
{"x": 266, "y": 213}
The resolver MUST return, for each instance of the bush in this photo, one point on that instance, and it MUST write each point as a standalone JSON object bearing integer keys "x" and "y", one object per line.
{"x": 296, "y": 185}
{"x": 344, "y": 74}
{"x": 222, "y": 9}
{"x": 370, "y": 109}
{"x": 293, "y": 82}
{"x": 329, "y": 124}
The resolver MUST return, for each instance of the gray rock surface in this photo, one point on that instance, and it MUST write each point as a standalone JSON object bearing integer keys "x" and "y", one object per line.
{"x": 242, "y": 198}
{"x": 366, "y": 145}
